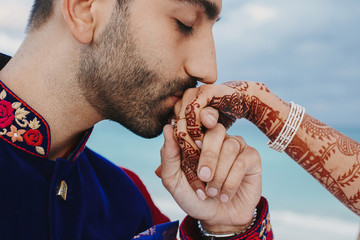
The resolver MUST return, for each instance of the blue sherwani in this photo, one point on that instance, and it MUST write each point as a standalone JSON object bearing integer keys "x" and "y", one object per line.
{"x": 82, "y": 196}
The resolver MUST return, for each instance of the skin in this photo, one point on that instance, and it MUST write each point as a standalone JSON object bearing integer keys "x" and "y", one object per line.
{"x": 242, "y": 183}
{"x": 328, "y": 155}
{"x": 50, "y": 58}
{"x": 54, "y": 60}
{"x": 133, "y": 92}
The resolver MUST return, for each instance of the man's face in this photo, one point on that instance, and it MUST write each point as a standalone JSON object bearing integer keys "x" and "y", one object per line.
{"x": 148, "y": 55}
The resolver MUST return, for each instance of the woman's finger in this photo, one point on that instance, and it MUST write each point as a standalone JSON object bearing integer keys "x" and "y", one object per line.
{"x": 190, "y": 155}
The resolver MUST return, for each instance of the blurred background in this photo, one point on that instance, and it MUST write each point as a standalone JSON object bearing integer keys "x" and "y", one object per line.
{"x": 305, "y": 51}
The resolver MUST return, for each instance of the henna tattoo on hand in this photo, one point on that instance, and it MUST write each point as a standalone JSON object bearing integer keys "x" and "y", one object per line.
{"x": 263, "y": 87}
{"x": 265, "y": 118}
{"x": 189, "y": 156}
{"x": 240, "y": 86}
{"x": 231, "y": 107}
{"x": 329, "y": 156}
{"x": 194, "y": 129}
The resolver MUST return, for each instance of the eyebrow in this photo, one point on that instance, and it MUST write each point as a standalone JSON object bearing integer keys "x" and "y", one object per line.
{"x": 212, "y": 11}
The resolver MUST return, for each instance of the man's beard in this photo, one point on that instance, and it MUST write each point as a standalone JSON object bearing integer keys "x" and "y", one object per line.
{"x": 117, "y": 82}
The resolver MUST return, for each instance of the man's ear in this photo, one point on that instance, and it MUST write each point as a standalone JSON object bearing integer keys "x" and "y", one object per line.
{"x": 79, "y": 18}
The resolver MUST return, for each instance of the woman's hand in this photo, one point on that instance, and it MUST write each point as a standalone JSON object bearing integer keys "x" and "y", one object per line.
{"x": 195, "y": 113}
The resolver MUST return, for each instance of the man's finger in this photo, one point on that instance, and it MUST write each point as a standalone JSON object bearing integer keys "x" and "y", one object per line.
{"x": 210, "y": 152}
{"x": 170, "y": 154}
{"x": 209, "y": 117}
{"x": 229, "y": 151}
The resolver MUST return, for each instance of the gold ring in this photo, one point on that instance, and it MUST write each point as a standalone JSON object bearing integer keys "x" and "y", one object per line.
{"x": 180, "y": 117}
{"x": 241, "y": 143}
{"x": 173, "y": 123}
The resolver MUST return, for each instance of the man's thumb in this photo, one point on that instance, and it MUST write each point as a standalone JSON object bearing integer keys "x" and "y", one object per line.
{"x": 170, "y": 153}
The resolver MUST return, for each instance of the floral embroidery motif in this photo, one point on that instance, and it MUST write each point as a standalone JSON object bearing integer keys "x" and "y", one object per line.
{"x": 33, "y": 137}
{"x": 15, "y": 124}
{"x": 6, "y": 113}
{"x": 161, "y": 231}
{"x": 150, "y": 232}
{"x": 15, "y": 134}
{"x": 265, "y": 227}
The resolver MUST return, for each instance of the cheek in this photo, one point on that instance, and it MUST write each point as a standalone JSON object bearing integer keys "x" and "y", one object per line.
{"x": 158, "y": 46}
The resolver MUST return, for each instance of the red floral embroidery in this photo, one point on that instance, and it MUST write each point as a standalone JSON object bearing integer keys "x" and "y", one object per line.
{"x": 6, "y": 114}
{"x": 33, "y": 137}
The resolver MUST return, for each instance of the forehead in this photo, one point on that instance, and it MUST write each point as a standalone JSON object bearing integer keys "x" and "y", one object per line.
{"x": 212, "y": 8}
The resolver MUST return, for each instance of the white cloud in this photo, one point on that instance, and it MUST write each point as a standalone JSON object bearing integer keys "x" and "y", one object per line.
{"x": 260, "y": 13}
{"x": 239, "y": 22}
{"x": 13, "y": 15}
{"x": 318, "y": 227}
{"x": 13, "y": 19}
{"x": 8, "y": 44}
{"x": 289, "y": 44}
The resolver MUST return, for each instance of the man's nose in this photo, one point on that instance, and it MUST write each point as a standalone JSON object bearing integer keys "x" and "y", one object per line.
{"x": 201, "y": 59}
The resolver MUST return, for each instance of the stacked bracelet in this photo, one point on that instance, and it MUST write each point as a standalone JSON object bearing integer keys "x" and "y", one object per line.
{"x": 289, "y": 129}
{"x": 210, "y": 235}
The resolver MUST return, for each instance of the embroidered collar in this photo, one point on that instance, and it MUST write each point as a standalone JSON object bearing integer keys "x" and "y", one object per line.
{"x": 22, "y": 126}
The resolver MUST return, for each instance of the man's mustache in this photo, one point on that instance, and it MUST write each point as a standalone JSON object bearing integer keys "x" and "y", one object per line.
{"x": 179, "y": 86}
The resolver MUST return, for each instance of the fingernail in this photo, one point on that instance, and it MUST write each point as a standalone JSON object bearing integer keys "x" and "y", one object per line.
{"x": 205, "y": 173}
{"x": 201, "y": 195}
{"x": 212, "y": 191}
{"x": 198, "y": 143}
{"x": 212, "y": 119}
{"x": 224, "y": 198}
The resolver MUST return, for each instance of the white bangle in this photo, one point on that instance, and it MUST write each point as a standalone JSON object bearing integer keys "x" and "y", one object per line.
{"x": 212, "y": 235}
{"x": 289, "y": 129}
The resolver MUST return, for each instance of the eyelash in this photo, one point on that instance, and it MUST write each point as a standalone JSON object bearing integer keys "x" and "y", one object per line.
{"x": 186, "y": 30}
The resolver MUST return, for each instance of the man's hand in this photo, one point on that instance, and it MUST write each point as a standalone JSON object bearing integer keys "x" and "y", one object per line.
{"x": 231, "y": 171}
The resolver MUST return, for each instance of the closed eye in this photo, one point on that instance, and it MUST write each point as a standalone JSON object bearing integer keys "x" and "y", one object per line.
{"x": 186, "y": 30}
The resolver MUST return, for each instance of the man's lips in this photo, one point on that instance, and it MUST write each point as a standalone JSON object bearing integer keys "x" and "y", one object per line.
{"x": 175, "y": 97}
{"x": 178, "y": 94}
{"x": 174, "y": 100}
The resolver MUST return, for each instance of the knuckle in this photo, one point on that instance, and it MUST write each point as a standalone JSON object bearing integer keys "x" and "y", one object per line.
{"x": 240, "y": 164}
{"x": 209, "y": 155}
{"x": 230, "y": 186}
{"x": 217, "y": 181}
{"x": 231, "y": 146}
{"x": 241, "y": 139}
{"x": 219, "y": 127}
{"x": 254, "y": 153}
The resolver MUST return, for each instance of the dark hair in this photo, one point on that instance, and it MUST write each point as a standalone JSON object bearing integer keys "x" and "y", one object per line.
{"x": 43, "y": 9}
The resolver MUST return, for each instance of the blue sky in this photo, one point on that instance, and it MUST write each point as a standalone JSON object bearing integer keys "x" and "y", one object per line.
{"x": 305, "y": 51}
